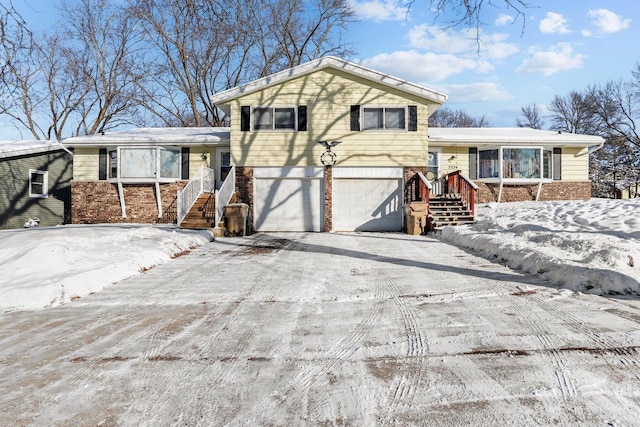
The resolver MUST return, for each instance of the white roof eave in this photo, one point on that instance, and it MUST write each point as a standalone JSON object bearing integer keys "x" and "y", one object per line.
{"x": 186, "y": 137}
{"x": 329, "y": 62}
{"x": 509, "y": 136}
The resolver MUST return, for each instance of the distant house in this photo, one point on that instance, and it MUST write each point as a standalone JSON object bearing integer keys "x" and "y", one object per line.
{"x": 36, "y": 183}
{"x": 135, "y": 175}
{"x": 329, "y": 145}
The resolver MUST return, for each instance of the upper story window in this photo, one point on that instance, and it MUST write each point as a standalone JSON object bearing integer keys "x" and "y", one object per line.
{"x": 38, "y": 183}
{"x": 277, "y": 118}
{"x": 371, "y": 117}
{"x": 270, "y": 118}
{"x": 384, "y": 118}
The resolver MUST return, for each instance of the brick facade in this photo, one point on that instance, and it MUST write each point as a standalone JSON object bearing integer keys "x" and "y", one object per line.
{"x": 557, "y": 190}
{"x": 328, "y": 198}
{"x": 98, "y": 202}
{"x": 244, "y": 190}
{"x": 410, "y": 183}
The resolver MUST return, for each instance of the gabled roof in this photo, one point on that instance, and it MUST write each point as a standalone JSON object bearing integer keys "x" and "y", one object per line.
{"x": 510, "y": 136}
{"x": 155, "y": 136}
{"x": 334, "y": 63}
{"x": 23, "y": 147}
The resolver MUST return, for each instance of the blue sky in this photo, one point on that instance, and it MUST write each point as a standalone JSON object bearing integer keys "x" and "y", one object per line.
{"x": 564, "y": 45}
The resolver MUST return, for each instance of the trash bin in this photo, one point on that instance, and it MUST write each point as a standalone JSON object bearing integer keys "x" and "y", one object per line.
{"x": 416, "y": 217}
{"x": 235, "y": 218}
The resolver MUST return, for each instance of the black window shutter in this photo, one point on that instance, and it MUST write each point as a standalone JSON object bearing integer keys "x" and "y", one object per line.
{"x": 302, "y": 118}
{"x": 102, "y": 164}
{"x": 245, "y": 118}
{"x": 557, "y": 163}
{"x": 413, "y": 118}
{"x": 185, "y": 163}
{"x": 355, "y": 117}
{"x": 473, "y": 163}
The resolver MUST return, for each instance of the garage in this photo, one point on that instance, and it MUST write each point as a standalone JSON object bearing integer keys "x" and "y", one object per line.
{"x": 367, "y": 199}
{"x": 289, "y": 199}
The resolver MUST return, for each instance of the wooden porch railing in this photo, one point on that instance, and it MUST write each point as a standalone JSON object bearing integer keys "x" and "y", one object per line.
{"x": 458, "y": 183}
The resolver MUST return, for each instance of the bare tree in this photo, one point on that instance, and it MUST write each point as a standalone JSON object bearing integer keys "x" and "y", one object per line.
{"x": 105, "y": 51}
{"x": 531, "y": 117}
{"x": 447, "y": 118}
{"x": 470, "y": 13}
{"x": 574, "y": 113}
{"x": 209, "y": 46}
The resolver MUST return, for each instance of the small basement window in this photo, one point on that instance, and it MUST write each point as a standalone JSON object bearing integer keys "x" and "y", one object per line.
{"x": 38, "y": 183}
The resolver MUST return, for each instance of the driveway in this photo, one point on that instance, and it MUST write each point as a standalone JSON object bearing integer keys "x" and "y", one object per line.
{"x": 324, "y": 329}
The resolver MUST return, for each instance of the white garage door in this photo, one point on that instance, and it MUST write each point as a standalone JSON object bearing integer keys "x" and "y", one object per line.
{"x": 372, "y": 203}
{"x": 289, "y": 199}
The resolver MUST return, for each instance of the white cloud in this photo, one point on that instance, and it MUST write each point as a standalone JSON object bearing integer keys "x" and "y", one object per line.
{"x": 379, "y": 10}
{"x": 607, "y": 21}
{"x": 503, "y": 19}
{"x": 553, "y": 23}
{"x": 559, "y": 57}
{"x": 476, "y": 92}
{"x": 492, "y": 46}
{"x": 423, "y": 68}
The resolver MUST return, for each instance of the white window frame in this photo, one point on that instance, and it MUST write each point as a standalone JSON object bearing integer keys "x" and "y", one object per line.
{"x": 45, "y": 184}
{"x": 273, "y": 116}
{"x": 384, "y": 117}
{"x": 501, "y": 178}
{"x": 158, "y": 166}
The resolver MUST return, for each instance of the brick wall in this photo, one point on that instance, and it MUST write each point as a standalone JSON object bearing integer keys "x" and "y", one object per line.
{"x": 328, "y": 198}
{"x": 557, "y": 190}
{"x": 99, "y": 202}
{"x": 244, "y": 189}
{"x": 410, "y": 183}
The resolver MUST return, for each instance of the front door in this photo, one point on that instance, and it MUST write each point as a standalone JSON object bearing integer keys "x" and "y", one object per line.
{"x": 433, "y": 169}
{"x": 223, "y": 165}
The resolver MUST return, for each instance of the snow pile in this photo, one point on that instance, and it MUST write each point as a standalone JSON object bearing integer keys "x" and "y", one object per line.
{"x": 588, "y": 246}
{"x": 44, "y": 267}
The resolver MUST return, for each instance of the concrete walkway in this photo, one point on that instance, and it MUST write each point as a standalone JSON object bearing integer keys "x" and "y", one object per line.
{"x": 324, "y": 329}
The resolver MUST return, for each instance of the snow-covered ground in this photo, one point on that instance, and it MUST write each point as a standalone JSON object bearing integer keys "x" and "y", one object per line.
{"x": 588, "y": 246}
{"x": 49, "y": 266}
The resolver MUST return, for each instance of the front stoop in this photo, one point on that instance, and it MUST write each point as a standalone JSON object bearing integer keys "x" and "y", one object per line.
{"x": 448, "y": 210}
{"x": 202, "y": 213}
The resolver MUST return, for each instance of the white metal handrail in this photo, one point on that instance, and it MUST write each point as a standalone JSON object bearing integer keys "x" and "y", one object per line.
{"x": 202, "y": 182}
{"x": 223, "y": 195}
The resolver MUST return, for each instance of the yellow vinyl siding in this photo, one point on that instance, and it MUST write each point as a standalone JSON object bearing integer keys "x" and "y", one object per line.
{"x": 85, "y": 164}
{"x": 455, "y": 158}
{"x": 195, "y": 159}
{"x": 328, "y": 95}
{"x": 575, "y": 164}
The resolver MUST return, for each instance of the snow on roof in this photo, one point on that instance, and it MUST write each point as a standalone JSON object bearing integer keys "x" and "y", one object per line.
{"x": 16, "y": 148}
{"x": 511, "y": 136}
{"x": 159, "y": 136}
{"x": 335, "y": 63}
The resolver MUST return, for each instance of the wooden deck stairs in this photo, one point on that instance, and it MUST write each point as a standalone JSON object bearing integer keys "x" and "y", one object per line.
{"x": 448, "y": 209}
{"x": 202, "y": 213}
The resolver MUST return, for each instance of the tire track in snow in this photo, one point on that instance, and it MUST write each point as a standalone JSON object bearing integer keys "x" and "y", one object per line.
{"x": 404, "y": 390}
{"x": 562, "y": 371}
{"x": 606, "y": 346}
